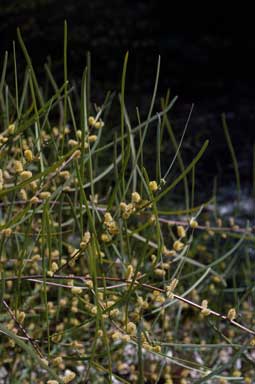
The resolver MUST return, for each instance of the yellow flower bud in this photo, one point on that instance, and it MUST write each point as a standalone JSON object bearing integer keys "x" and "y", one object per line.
{"x": 7, "y": 232}
{"x": 193, "y": 223}
{"x": 66, "y": 130}
{"x": 28, "y": 155}
{"x": 18, "y": 166}
{"x": 178, "y": 246}
{"x": 89, "y": 284}
{"x": 64, "y": 174}
{"x": 92, "y": 138}
{"x": 94, "y": 310}
{"x": 205, "y": 311}
{"x": 26, "y": 175}
{"x": 127, "y": 209}
{"x": 85, "y": 240}
{"x": 78, "y": 134}
{"x": 106, "y": 238}
{"x": 36, "y": 258}
{"x": 33, "y": 185}
{"x": 136, "y": 198}
{"x": 76, "y": 290}
{"x": 44, "y": 195}
{"x": 72, "y": 143}
{"x": 160, "y": 272}
{"x": 11, "y": 129}
{"x": 20, "y": 316}
{"x": 91, "y": 121}
{"x": 157, "y": 348}
{"x": 131, "y": 328}
{"x": 237, "y": 373}
{"x": 181, "y": 231}
{"x": 167, "y": 252}
{"x": 69, "y": 377}
{"x": 54, "y": 267}
{"x": 107, "y": 217}
{"x": 153, "y": 185}
{"x": 171, "y": 287}
{"x": 55, "y": 131}
{"x": 100, "y": 333}
{"x": 125, "y": 338}
{"x": 4, "y": 139}
{"x": 147, "y": 346}
{"x": 34, "y": 200}
{"x": 231, "y": 314}
{"x": 99, "y": 124}
{"x": 23, "y": 194}
{"x": 116, "y": 335}
{"x": 114, "y": 312}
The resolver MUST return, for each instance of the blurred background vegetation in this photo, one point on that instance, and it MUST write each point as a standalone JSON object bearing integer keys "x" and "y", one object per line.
{"x": 206, "y": 59}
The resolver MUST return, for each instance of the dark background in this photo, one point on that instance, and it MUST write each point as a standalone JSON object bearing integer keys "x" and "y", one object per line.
{"x": 207, "y": 58}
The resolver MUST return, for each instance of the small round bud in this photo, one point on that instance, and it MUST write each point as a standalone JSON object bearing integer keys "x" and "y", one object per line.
{"x": 131, "y": 328}
{"x": 231, "y": 314}
{"x": 116, "y": 335}
{"x": 55, "y": 131}
{"x": 136, "y": 198}
{"x": 44, "y": 195}
{"x": 21, "y": 317}
{"x": 178, "y": 246}
{"x": 99, "y": 124}
{"x": 34, "y": 200}
{"x": 205, "y": 311}
{"x": 72, "y": 143}
{"x": 193, "y": 223}
{"x": 69, "y": 377}
{"x": 153, "y": 185}
{"x": 91, "y": 121}
{"x": 18, "y": 167}
{"x": 54, "y": 267}
{"x": 11, "y": 129}
{"x": 28, "y": 155}
{"x": 26, "y": 175}
{"x": 76, "y": 290}
{"x": 79, "y": 134}
{"x": 92, "y": 138}
{"x": 157, "y": 348}
{"x": 106, "y": 238}
{"x": 6, "y": 232}
{"x": 181, "y": 231}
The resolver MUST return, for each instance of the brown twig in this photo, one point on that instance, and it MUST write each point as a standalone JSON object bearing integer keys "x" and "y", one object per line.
{"x": 137, "y": 283}
{"x": 22, "y": 329}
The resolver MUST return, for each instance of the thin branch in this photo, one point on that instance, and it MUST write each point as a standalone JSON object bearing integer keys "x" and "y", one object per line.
{"x": 35, "y": 278}
{"x": 22, "y": 329}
